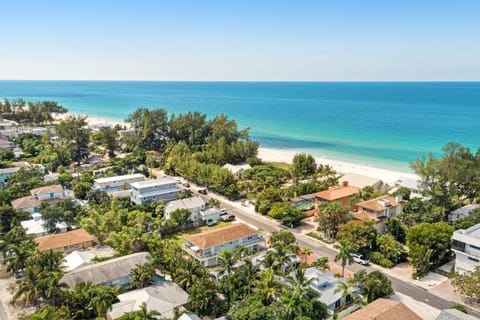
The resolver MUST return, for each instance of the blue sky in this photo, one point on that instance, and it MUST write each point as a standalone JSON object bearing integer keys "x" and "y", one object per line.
{"x": 241, "y": 40}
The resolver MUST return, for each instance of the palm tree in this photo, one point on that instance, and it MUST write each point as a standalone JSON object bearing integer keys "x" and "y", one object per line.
{"x": 249, "y": 272}
{"x": 267, "y": 285}
{"x": 226, "y": 261}
{"x": 52, "y": 288}
{"x": 282, "y": 257}
{"x": 240, "y": 251}
{"x": 103, "y": 298}
{"x": 301, "y": 284}
{"x": 29, "y": 289}
{"x": 322, "y": 264}
{"x": 345, "y": 253}
{"x": 359, "y": 278}
{"x": 142, "y": 275}
{"x": 306, "y": 252}
{"x": 49, "y": 261}
{"x": 188, "y": 272}
{"x": 19, "y": 254}
{"x": 142, "y": 314}
{"x": 377, "y": 285}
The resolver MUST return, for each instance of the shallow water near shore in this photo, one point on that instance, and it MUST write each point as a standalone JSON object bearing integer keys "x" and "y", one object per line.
{"x": 379, "y": 124}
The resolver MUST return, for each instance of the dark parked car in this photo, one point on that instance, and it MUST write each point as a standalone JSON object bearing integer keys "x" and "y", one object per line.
{"x": 202, "y": 191}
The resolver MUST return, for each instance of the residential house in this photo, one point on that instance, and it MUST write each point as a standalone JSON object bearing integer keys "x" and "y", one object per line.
{"x": 66, "y": 242}
{"x": 153, "y": 190}
{"x": 110, "y": 273}
{"x": 6, "y": 174}
{"x": 210, "y": 215}
{"x": 466, "y": 245}
{"x": 378, "y": 210}
{"x": 29, "y": 166}
{"x": 237, "y": 170}
{"x": 81, "y": 258}
{"x": 340, "y": 194}
{"x": 362, "y": 181}
{"x": 49, "y": 193}
{"x": 326, "y": 284}
{"x": 164, "y": 297}
{"x": 462, "y": 212}
{"x": 194, "y": 204}
{"x": 117, "y": 182}
{"x": 411, "y": 184}
{"x": 29, "y": 204}
{"x": 36, "y": 226}
{"x": 204, "y": 247}
{"x": 384, "y": 309}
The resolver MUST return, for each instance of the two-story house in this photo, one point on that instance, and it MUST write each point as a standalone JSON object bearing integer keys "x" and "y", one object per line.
{"x": 49, "y": 193}
{"x": 466, "y": 245}
{"x": 153, "y": 190}
{"x": 340, "y": 194}
{"x": 194, "y": 204}
{"x": 117, "y": 182}
{"x": 379, "y": 209}
{"x": 205, "y": 247}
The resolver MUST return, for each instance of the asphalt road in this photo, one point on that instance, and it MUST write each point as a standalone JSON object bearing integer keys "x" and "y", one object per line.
{"x": 400, "y": 286}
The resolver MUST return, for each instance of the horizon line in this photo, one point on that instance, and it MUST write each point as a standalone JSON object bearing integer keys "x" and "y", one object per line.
{"x": 238, "y": 81}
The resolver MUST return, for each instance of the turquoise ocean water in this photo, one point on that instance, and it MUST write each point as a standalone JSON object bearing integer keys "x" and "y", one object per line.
{"x": 384, "y": 124}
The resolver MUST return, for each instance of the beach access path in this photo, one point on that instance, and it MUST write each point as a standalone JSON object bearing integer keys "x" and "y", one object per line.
{"x": 247, "y": 215}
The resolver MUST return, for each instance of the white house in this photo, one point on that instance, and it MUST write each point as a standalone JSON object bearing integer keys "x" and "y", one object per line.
{"x": 462, "y": 212}
{"x": 194, "y": 204}
{"x": 153, "y": 190}
{"x": 49, "y": 192}
{"x": 326, "y": 284}
{"x": 117, "y": 182}
{"x": 78, "y": 259}
{"x": 164, "y": 297}
{"x": 466, "y": 245}
{"x": 29, "y": 204}
{"x": 36, "y": 226}
{"x": 238, "y": 169}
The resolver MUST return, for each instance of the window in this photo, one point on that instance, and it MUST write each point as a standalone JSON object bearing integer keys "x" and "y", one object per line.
{"x": 473, "y": 259}
{"x": 474, "y": 247}
{"x": 458, "y": 245}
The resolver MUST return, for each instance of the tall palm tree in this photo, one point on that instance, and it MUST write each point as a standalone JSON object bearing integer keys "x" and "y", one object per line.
{"x": 300, "y": 283}
{"x": 19, "y": 254}
{"x": 226, "y": 261}
{"x": 188, "y": 272}
{"x": 249, "y": 272}
{"x": 306, "y": 252}
{"x": 359, "y": 278}
{"x": 142, "y": 275}
{"x": 322, "y": 264}
{"x": 267, "y": 285}
{"x": 103, "y": 298}
{"x": 282, "y": 258}
{"x": 52, "y": 288}
{"x": 29, "y": 288}
{"x": 345, "y": 253}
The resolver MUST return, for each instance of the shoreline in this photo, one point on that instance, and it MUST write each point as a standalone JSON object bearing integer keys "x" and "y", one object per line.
{"x": 281, "y": 155}
{"x": 386, "y": 175}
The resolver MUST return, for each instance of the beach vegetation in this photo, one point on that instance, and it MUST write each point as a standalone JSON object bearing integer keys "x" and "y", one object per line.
{"x": 74, "y": 136}
{"x": 303, "y": 165}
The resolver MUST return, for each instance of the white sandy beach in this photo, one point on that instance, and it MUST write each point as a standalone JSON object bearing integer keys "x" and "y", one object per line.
{"x": 278, "y": 155}
{"x": 387, "y": 176}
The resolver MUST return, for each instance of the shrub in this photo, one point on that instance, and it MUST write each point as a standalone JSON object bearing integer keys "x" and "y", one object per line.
{"x": 378, "y": 258}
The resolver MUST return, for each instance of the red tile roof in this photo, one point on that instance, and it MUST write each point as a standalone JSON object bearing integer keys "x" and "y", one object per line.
{"x": 383, "y": 309}
{"x": 377, "y": 205}
{"x": 61, "y": 240}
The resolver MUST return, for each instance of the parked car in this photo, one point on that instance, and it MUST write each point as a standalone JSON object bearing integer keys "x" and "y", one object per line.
{"x": 202, "y": 191}
{"x": 223, "y": 211}
{"x": 358, "y": 258}
{"x": 211, "y": 222}
{"x": 227, "y": 217}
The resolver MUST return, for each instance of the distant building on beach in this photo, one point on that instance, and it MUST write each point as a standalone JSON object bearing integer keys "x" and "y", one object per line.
{"x": 462, "y": 212}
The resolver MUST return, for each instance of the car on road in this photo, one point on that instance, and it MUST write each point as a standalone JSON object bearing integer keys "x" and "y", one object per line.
{"x": 227, "y": 217}
{"x": 358, "y": 258}
{"x": 202, "y": 191}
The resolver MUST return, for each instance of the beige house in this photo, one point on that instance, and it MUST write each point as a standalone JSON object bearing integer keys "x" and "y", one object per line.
{"x": 379, "y": 209}
{"x": 66, "y": 242}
